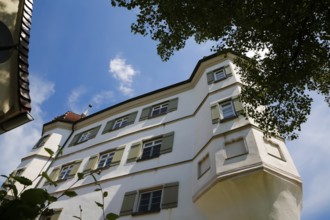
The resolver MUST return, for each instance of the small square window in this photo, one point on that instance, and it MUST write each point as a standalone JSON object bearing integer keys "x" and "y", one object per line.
{"x": 119, "y": 123}
{"x": 219, "y": 74}
{"x": 159, "y": 109}
{"x": 235, "y": 148}
{"x": 65, "y": 171}
{"x": 151, "y": 149}
{"x": 149, "y": 201}
{"x": 227, "y": 110}
{"x": 105, "y": 160}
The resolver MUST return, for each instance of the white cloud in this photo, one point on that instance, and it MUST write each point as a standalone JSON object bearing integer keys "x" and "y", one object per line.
{"x": 124, "y": 73}
{"x": 311, "y": 153}
{"x": 102, "y": 98}
{"x": 18, "y": 142}
{"x": 73, "y": 99}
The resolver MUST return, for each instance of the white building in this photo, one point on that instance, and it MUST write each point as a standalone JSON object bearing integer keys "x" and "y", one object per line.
{"x": 180, "y": 152}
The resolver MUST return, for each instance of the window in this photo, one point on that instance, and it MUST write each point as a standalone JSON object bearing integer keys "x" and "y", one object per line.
{"x": 149, "y": 201}
{"x": 273, "y": 149}
{"x": 235, "y": 148}
{"x": 226, "y": 110}
{"x": 105, "y": 160}
{"x": 151, "y": 148}
{"x": 159, "y": 109}
{"x": 65, "y": 171}
{"x": 152, "y": 200}
{"x": 203, "y": 165}
{"x": 84, "y": 136}
{"x": 41, "y": 142}
{"x": 120, "y": 122}
{"x": 218, "y": 74}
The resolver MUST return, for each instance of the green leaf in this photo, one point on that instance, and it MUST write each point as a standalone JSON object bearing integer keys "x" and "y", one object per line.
{"x": 76, "y": 217}
{"x": 45, "y": 175}
{"x": 59, "y": 150}
{"x": 23, "y": 180}
{"x": 99, "y": 204}
{"x": 70, "y": 193}
{"x": 98, "y": 189}
{"x": 34, "y": 197}
{"x": 105, "y": 194}
{"x": 111, "y": 216}
{"x": 49, "y": 151}
{"x": 80, "y": 176}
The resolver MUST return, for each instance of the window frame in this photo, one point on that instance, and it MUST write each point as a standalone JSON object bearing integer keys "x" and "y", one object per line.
{"x": 41, "y": 142}
{"x": 85, "y": 136}
{"x": 232, "y": 108}
{"x": 160, "y": 107}
{"x": 106, "y": 163}
{"x": 67, "y": 172}
{"x": 215, "y": 74}
{"x": 150, "y": 201}
{"x": 123, "y": 121}
{"x": 157, "y": 142}
{"x": 200, "y": 165}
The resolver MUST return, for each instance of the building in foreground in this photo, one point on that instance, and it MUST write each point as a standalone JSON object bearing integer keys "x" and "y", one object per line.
{"x": 180, "y": 152}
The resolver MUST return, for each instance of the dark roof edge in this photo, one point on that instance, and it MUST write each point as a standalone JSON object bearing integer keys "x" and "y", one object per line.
{"x": 158, "y": 90}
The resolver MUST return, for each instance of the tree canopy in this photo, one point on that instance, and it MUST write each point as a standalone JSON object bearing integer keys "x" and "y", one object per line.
{"x": 294, "y": 36}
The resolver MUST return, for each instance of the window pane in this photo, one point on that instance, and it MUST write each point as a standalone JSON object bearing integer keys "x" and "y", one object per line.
{"x": 227, "y": 110}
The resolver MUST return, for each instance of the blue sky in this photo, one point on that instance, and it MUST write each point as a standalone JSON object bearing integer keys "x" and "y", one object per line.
{"x": 84, "y": 53}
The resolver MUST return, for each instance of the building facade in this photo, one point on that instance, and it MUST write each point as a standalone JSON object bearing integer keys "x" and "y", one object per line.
{"x": 180, "y": 152}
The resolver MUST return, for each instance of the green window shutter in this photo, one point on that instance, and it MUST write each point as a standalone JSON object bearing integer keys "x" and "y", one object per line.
{"x": 215, "y": 113}
{"x": 91, "y": 163}
{"x": 134, "y": 152}
{"x": 54, "y": 174}
{"x": 145, "y": 113}
{"x": 128, "y": 203}
{"x": 94, "y": 132}
{"x": 117, "y": 156}
{"x": 228, "y": 70}
{"x": 167, "y": 143}
{"x": 172, "y": 105}
{"x": 238, "y": 105}
{"x": 210, "y": 77}
{"x": 170, "y": 195}
{"x": 75, "y": 139}
{"x": 74, "y": 169}
{"x": 131, "y": 118}
{"x": 108, "y": 126}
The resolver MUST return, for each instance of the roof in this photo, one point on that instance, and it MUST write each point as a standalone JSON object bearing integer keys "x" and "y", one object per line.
{"x": 69, "y": 117}
{"x": 83, "y": 117}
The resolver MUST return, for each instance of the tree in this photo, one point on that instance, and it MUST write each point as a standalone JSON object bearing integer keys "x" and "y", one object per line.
{"x": 293, "y": 35}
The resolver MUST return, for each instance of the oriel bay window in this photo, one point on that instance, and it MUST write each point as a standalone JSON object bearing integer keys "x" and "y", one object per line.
{"x": 104, "y": 160}
{"x": 120, "y": 122}
{"x": 226, "y": 110}
{"x": 151, "y": 148}
{"x": 218, "y": 74}
{"x": 150, "y": 200}
{"x": 159, "y": 109}
{"x": 85, "y": 136}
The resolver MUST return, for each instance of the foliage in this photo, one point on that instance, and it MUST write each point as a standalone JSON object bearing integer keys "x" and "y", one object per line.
{"x": 294, "y": 36}
{"x": 32, "y": 202}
